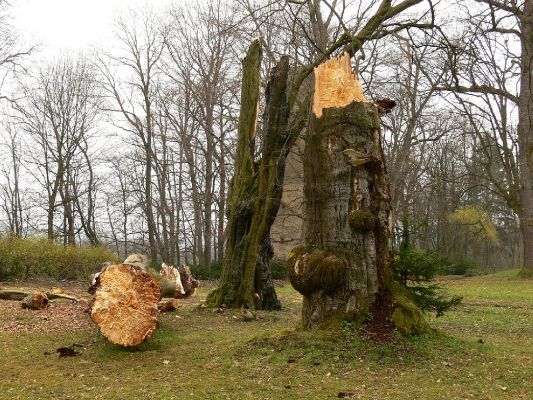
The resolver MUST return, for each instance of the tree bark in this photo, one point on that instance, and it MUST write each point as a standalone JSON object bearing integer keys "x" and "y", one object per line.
{"x": 343, "y": 268}
{"x": 525, "y": 139}
{"x": 255, "y": 191}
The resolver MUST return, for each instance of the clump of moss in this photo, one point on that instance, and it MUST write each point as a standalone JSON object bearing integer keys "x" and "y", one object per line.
{"x": 316, "y": 270}
{"x": 362, "y": 220}
{"x": 526, "y": 273}
{"x": 407, "y": 317}
{"x": 219, "y": 296}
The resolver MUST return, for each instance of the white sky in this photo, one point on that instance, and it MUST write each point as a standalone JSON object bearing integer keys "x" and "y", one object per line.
{"x": 62, "y": 25}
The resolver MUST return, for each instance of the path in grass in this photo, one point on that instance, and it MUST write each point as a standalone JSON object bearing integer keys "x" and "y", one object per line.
{"x": 199, "y": 354}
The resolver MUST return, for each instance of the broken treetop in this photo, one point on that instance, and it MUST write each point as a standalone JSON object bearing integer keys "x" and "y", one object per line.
{"x": 336, "y": 85}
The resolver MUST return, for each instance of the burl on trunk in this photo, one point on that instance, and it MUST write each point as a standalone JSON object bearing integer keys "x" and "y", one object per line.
{"x": 343, "y": 268}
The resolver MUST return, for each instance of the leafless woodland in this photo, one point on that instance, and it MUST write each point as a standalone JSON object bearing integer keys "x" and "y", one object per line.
{"x": 132, "y": 146}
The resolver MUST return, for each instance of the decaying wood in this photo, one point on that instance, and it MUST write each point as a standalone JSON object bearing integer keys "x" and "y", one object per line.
{"x": 173, "y": 275}
{"x": 19, "y": 295}
{"x": 188, "y": 282}
{"x": 125, "y": 304}
{"x": 254, "y": 196}
{"x": 336, "y": 85}
{"x": 35, "y": 301}
{"x": 167, "y": 305}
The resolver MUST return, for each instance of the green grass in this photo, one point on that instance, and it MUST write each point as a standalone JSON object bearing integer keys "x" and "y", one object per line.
{"x": 214, "y": 356}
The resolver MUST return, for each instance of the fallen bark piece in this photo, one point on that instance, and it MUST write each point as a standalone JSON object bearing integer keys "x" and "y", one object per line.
{"x": 247, "y": 315}
{"x": 167, "y": 305}
{"x": 67, "y": 352}
{"x": 125, "y": 304}
{"x": 35, "y": 301}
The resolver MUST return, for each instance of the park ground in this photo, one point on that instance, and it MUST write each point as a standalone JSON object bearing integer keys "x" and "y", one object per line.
{"x": 483, "y": 349}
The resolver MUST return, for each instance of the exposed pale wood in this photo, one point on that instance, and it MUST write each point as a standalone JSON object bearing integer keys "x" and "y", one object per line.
{"x": 173, "y": 275}
{"x": 336, "y": 85}
{"x": 125, "y": 304}
{"x": 188, "y": 282}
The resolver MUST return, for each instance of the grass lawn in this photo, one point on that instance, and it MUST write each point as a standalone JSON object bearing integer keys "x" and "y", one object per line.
{"x": 481, "y": 350}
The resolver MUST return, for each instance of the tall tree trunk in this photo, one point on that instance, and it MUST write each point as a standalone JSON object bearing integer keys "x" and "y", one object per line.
{"x": 525, "y": 139}
{"x": 208, "y": 191}
{"x": 344, "y": 267}
{"x": 148, "y": 206}
{"x": 255, "y": 192}
{"x": 221, "y": 198}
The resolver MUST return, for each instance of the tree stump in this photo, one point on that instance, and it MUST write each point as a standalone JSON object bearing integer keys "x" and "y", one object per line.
{"x": 125, "y": 304}
{"x": 343, "y": 268}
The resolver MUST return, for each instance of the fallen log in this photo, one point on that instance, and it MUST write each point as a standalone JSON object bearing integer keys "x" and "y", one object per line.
{"x": 125, "y": 304}
{"x": 174, "y": 282}
{"x": 19, "y": 295}
{"x": 188, "y": 282}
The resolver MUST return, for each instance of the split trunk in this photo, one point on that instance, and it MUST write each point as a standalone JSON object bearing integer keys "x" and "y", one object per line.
{"x": 254, "y": 195}
{"x": 343, "y": 269}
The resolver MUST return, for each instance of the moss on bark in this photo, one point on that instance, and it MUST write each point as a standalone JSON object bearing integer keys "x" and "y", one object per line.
{"x": 407, "y": 318}
{"x": 318, "y": 270}
{"x": 255, "y": 191}
{"x": 362, "y": 220}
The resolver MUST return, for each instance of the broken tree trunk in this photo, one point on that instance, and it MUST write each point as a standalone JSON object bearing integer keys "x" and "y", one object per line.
{"x": 125, "y": 304}
{"x": 255, "y": 192}
{"x": 343, "y": 268}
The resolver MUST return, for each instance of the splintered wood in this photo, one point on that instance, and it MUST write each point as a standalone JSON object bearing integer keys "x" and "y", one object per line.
{"x": 336, "y": 85}
{"x": 125, "y": 304}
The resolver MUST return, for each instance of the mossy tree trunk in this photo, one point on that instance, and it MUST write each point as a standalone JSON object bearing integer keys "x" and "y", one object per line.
{"x": 254, "y": 194}
{"x": 343, "y": 267}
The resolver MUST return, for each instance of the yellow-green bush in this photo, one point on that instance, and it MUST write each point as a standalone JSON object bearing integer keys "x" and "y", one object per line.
{"x": 25, "y": 258}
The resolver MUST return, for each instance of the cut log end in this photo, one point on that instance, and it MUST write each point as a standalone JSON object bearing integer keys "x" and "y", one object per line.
{"x": 336, "y": 85}
{"x": 125, "y": 304}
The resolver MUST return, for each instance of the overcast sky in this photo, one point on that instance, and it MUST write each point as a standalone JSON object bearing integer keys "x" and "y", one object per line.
{"x": 60, "y": 25}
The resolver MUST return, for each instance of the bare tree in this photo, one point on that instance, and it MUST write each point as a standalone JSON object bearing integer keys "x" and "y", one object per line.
{"x": 143, "y": 40}
{"x": 60, "y": 113}
{"x": 202, "y": 57}
{"x": 12, "y": 54}
{"x": 490, "y": 74}
{"x": 11, "y": 191}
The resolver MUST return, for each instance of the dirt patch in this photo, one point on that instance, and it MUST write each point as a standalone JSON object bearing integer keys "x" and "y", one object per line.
{"x": 60, "y": 315}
